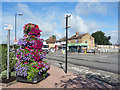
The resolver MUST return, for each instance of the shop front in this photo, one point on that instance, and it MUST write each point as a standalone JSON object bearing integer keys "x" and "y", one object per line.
{"x": 75, "y": 47}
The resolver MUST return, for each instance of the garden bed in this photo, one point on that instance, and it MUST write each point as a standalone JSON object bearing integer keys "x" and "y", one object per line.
{"x": 5, "y": 80}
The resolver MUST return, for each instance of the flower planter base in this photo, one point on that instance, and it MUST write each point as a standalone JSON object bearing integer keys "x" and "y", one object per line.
{"x": 34, "y": 80}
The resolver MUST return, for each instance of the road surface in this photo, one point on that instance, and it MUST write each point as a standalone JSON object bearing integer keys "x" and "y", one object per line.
{"x": 100, "y": 61}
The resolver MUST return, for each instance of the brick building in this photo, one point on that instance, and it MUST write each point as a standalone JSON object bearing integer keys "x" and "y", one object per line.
{"x": 51, "y": 42}
{"x": 79, "y": 41}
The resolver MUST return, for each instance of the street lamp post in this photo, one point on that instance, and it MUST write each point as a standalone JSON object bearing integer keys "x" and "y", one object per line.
{"x": 15, "y": 29}
{"x": 8, "y": 27}
{"x": 67, "y": 16}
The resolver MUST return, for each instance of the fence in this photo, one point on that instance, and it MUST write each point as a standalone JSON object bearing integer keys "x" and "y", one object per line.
{"x": 101, "y": 50}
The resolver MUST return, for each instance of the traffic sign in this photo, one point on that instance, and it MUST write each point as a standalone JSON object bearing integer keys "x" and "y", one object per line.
{"x": 8, "y": 26}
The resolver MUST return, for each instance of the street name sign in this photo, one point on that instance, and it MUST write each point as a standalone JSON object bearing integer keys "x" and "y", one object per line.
{"x": 8, "y": 26}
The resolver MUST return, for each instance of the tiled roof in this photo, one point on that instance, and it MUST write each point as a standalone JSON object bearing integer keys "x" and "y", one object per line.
{"x": 50, "y": 40}
{"x": 62, "y": 39}
{"x": 73, "y": 37}
{"x": 76, "y": 37}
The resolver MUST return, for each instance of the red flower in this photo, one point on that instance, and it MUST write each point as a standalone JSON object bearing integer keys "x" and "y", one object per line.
{"x": 40, "y": 30}
{"x": 26, "y": 48}
{"x": 24, "y": 27}
{"x": 26, "y": 62}
{"x": 25, "y": 35}
{"x": 33, "y": 36}
{"x": 37, "y": 26}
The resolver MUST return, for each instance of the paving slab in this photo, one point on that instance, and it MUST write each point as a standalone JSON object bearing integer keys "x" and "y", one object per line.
{"x": 57, "y": 78}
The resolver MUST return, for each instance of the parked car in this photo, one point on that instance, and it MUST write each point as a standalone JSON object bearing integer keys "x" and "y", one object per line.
{"x": 45, "y": 48}
{"x": 52, "y": 49}
{"x": 90, "y": 51}
{"x": 47, "y": 51}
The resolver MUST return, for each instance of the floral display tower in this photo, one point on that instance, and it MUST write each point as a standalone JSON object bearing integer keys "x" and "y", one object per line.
{"x": 30, "y": 66}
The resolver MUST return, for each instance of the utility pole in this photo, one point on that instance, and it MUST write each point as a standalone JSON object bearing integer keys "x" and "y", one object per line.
{"x": 67, "y": 16}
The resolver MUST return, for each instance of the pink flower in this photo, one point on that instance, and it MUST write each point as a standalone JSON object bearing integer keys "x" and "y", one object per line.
{"x": 36, "y": 66}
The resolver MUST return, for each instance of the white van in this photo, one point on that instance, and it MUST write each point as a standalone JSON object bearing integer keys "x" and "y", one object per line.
{"x": 45, "y": 47}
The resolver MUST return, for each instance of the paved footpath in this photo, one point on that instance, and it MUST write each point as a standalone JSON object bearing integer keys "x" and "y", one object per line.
{"x": 58, "y": 79}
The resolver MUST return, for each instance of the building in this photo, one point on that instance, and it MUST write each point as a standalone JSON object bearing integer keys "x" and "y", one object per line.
{"x": 51, "y": 42}
{"x": 78, "y": 41}
{"x": 61, "y": 43}
{"x": 81, "y": 41}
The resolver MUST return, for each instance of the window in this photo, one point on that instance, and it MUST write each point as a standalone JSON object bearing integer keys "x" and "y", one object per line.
{"x": 45, "y": 46}
{"x": 86, "y": 41}
{"x": 76, "y": 41}
{"x": 69, "y": 41}
{"x": 92, "y": 41}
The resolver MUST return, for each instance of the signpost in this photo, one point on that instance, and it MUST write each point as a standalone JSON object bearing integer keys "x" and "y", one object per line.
{"x": 67, "y": 26}
{"x": 8, "y": 27}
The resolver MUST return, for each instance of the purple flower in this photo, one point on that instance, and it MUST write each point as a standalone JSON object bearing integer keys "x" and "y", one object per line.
{"x": 44, "y": 69}
{"x": 39, "y": 73}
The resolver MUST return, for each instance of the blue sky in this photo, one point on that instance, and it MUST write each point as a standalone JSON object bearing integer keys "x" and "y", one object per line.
{"x": 87, "y": 17}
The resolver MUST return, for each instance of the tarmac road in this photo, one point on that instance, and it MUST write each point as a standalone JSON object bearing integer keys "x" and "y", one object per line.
{"x": 103, "y": 61}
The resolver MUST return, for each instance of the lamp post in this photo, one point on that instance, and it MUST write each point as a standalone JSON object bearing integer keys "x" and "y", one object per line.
{"x": 67, "y": 26}
{"x": 8, "y": 27}
{"x": 15, "y": 41}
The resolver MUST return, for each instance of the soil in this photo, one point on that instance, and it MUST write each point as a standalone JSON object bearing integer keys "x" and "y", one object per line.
{"x": 5, "y": 80}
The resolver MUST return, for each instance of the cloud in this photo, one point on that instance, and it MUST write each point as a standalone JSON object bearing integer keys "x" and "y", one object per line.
{"x": 113, "y": 34}
{"x": 82, "y": 26}
{"x": 90, "y": 8}
{"x": 50, "y": 25}
{"x": 46, "y": 24}
{"x": 77, "y": 23}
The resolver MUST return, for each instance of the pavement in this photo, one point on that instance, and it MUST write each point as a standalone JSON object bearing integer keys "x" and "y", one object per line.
{"x": 57, "y": 78}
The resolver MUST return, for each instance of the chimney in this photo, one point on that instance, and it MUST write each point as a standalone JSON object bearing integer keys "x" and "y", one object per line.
{"x": 50, "y": 37}
{"x": 77, "y": 33}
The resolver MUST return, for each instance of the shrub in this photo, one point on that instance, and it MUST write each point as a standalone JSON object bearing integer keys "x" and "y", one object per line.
{"x": 3, "y": 74}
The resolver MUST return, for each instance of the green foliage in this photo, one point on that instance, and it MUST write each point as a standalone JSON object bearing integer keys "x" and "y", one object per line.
{"x": 3, "y": 74}
{"x": 4, "y": 57}
{"x": 0, "y": 55}
{"x": 13, "y": 74}
{"x": 53, "y": 36}
{"x": 12, "y": 59}
{"x": 101, "y": 39}
{"x": 32, "y": 72}
{"x": 44, "y": 74}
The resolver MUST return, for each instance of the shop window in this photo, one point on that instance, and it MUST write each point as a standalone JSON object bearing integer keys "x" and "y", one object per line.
{"x": 86, "y": 41}
{"x": 69, "y": 41}
{"x": 76, "y": 41}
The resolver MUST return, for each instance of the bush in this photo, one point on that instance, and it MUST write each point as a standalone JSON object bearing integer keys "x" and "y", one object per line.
{"x": 12, "y": 59}
{"x": 13, "y": 74}
{"x": 3, "y": 74}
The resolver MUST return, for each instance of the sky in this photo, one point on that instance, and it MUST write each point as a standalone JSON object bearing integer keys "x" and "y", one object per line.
{"x": 86, "y": 17}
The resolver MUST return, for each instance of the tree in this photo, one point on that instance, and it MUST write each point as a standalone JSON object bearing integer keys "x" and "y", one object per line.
{"x": 53, "y": 36}
{"x": 100, "y": 38}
